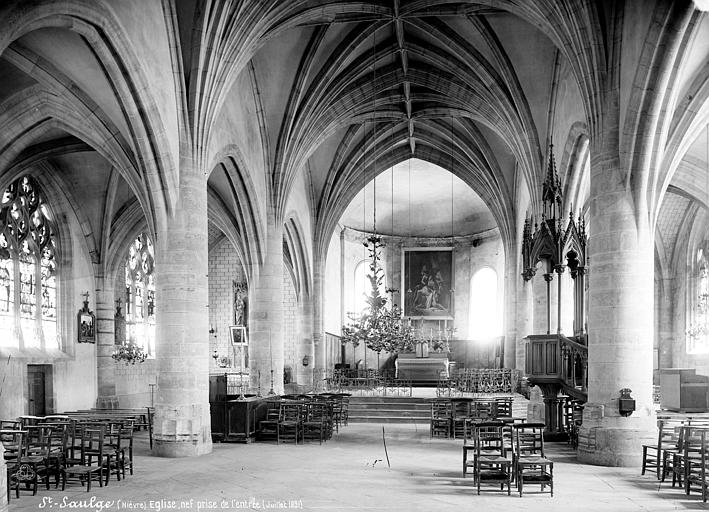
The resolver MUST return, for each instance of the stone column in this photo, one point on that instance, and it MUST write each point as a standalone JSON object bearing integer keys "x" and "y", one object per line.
{"x": 3, "y": 481}
{"x": 266, "y": 313}
{"x": 620, "y": 319}
{"x": 509, "y": 322}
{"x": 182, "y": 421}
{"x": 665, "y": 306}
{"x": 105, "y": 344}
{"x": 319, "y": 349}
{"x": 523, "y": 320}
{"x": 304, "y": 318}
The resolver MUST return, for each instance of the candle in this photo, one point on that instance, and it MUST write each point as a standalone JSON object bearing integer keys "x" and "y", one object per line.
{"x": 270, "y": 349}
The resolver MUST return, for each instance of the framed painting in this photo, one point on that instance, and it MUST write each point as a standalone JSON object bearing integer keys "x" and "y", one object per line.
{"x": 427, "y": 280}
{"x": 237, "y": 334}
{"x": 86, "y": 323}
{"x": 241, "y": 345}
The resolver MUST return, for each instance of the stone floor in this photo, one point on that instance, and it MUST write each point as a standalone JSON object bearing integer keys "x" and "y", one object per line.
{"x": 350, "y": 472}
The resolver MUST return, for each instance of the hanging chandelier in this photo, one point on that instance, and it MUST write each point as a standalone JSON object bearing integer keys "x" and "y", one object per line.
{"x": 380, "y": 326}
{"x": 130, "y": 353}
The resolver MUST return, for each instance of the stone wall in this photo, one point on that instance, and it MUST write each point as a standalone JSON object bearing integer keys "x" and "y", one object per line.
{"x": 224, "y": 269}
{"x": 290, "y": 329}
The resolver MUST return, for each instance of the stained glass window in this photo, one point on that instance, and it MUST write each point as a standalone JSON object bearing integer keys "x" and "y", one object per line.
{"x": 698, "y": 328}
{"x": 7, "y": 287}
{"x": 28, "y": 267}
{"x": 140, "y": 294}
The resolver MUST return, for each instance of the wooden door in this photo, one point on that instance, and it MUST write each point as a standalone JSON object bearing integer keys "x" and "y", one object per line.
{"x": 36, "y": 377}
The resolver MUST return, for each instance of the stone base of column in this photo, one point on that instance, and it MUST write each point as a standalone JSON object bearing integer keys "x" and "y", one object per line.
{"x": 3, "y": 481}
{"x": 107, "y": 402}
{"x": 614, "y": 440}
{"x": 181, "y": 431}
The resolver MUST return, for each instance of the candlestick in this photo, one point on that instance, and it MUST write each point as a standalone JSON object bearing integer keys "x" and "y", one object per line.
{"x": 270, "y": 350}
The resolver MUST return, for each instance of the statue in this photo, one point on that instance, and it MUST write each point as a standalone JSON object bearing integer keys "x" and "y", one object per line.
{"x": 240, "y": 303}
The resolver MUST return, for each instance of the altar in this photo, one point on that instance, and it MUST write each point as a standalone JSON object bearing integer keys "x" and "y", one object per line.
{"x": 429, "y": 367}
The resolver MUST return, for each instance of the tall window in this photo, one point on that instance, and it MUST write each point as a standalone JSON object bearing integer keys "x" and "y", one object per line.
{"x": 362, "y": 287}
{"x": 485, "y": 316}
{"x": 140, "y": 294}
{"x": 698, "y": 315}
{"x": 28, "y": 268}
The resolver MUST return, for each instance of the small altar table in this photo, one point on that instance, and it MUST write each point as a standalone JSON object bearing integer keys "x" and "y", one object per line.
{"x": 408, "y": 366}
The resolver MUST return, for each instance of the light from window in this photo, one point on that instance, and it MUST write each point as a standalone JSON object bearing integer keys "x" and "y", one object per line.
{"x": 362, "y": 287}
{"x": 698, "y": 314}
{"x": 485, "y": 318}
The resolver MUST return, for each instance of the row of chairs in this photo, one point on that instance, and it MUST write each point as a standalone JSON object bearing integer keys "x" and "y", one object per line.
{"x": 304, "y": 417}
{"x": 66, "y": 449}
{"x": 501, "y": 453}
{"x": 682, "y": 452}
{"x": 450, "y": 417}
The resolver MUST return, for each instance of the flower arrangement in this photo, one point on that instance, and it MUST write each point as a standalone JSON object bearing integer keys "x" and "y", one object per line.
{"x": 130, "y": 353}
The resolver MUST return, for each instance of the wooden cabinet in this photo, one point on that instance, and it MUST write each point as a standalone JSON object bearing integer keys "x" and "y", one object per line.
{"x": 237, "y": 420}
{"x": 683, "y": 390}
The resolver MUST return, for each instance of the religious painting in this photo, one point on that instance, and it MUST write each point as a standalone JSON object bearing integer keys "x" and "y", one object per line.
{"x": 427, "y": 276}
{"x": 241, "y": 301}
{"x": 241, "y": 345}
{"x": 86, "y": 323}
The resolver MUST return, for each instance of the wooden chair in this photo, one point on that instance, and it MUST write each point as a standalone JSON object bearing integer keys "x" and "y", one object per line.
{"x": 33, "y": 464}
{"x": 655, "y": 455}
{"x": 491, "y": 464}
{"x": 317, "y": 424}
{"x": 441, "y": 418}
{"x": 530, "y": 465}
{"x": 96, "y": 460}
{"x": 460, "y": 416}
{"x": 57, "y": 450}
{"x": 695, "y": 460}
{"x": 10, "y": 424}
{"x": 268, "y": 428}
{"x": 290, "y": 423}
{"x": 504, "y": 407}
{"x": 475, "y": 430}
{"x": 14, "y": 445}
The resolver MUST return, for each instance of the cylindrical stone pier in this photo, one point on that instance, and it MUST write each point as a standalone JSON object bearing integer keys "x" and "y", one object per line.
{"x": 105, "y": 345}
{"x": 620, "y": 321}
{"x": 182, "y": 422}
{"x": 266, "y": 315}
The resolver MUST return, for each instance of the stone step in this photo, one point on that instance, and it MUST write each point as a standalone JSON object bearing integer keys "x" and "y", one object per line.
{"x": 407, "y": 409}
{"x": 385, "y": 400}
{"x": 412, "y": 413}
{"x": 388, "y": 419}
{"x": 391, "y": 405}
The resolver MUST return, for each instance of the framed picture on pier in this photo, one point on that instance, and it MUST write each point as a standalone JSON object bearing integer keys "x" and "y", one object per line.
{"x": 427, "y": 282}
{"x": 86, "y": 323}
{"x": 240, "y": 343}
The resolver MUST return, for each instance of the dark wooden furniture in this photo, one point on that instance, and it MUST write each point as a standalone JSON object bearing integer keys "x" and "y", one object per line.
{"x": 683, "y": 390}
{"x": 530, "y": 464}
{"x": 234, "y": 418}
{"x": 491, "y": 464}
{"x": 440, "y": 418}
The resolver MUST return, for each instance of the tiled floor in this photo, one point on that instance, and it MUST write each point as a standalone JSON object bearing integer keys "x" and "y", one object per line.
{"x": 350, "y": 472}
